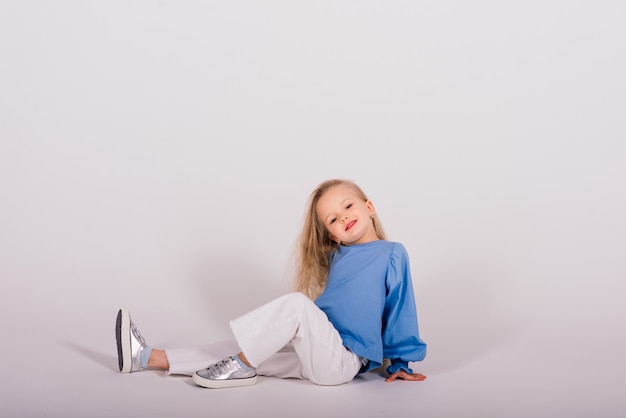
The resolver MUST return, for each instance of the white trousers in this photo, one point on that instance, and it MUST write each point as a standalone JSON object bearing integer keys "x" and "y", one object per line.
{"x": 289, "y": 337}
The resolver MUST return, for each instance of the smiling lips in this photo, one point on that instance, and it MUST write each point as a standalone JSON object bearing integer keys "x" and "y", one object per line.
{"x": 350, "y": 225}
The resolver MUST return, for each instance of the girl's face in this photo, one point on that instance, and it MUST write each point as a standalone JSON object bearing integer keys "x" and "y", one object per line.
{"x": 347, "y": 217}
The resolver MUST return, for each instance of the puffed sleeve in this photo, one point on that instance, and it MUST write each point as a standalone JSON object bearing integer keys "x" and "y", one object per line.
{"x": 401, "y": 341}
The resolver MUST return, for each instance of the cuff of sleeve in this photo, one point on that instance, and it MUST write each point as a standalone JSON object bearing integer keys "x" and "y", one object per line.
{"x": 397, "y": 364}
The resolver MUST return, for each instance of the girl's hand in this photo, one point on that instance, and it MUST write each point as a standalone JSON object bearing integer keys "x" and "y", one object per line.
{"x": 401, "y": 374}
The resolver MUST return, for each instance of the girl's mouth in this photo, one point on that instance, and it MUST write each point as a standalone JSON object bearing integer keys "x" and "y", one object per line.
{"x": 350, "y": 225}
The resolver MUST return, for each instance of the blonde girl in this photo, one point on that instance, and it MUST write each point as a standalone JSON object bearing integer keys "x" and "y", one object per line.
{"x": 353, "y": 307}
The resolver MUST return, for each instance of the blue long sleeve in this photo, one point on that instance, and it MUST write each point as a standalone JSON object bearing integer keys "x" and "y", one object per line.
{"x": 401, "y": 342}
{"x": 369, "y": 299}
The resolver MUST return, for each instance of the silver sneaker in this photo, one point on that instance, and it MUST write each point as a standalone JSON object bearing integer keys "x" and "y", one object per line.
{"x": 130, "y": 343}
{"x": 225, "y": 374}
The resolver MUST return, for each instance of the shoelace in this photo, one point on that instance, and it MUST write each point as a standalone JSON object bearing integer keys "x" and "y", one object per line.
{"x": 136, "y": 333}
{"x": 222, "y": 366}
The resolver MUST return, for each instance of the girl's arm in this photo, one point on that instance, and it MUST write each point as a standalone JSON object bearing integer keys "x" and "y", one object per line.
{"x": 401, "y": 341}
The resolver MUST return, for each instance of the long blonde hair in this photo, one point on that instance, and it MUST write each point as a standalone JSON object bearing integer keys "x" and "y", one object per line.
{"x": 315, "y": 245}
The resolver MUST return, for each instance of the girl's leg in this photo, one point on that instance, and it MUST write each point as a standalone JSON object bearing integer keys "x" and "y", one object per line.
{"x": 295, "y": 318}
{"x": 289, "y": 337}
{"x": 158, "y": 360}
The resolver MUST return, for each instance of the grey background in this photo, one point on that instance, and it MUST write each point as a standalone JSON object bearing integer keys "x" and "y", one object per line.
{"x": 157, "y": 155}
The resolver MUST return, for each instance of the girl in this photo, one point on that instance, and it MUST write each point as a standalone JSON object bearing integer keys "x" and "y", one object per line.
{"x": 353, "y": 307}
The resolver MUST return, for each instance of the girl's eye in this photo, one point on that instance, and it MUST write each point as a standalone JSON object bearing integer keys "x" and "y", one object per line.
{"x": 332, "y": 220}
{"x": 349, "y": 206}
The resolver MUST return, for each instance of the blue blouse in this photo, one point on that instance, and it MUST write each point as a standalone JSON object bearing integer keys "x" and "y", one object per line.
{"x": 369, "y": 299}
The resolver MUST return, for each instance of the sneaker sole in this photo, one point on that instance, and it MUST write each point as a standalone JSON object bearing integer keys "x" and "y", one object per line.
{"x": 122, "y": 336}
{"x": 219, "y": 384}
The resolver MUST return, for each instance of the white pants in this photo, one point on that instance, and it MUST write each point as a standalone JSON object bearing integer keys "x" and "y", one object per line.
{"x": 288, "y": 337}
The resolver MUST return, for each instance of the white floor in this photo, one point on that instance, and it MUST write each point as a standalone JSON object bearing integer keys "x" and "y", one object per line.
{"x": 64, "y": 365}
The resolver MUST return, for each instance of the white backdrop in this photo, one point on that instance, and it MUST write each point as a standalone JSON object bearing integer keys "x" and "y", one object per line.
{"x": 158, "y": 155}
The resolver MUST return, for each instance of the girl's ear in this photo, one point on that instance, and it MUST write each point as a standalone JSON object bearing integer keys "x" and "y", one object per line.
{"x": 334, "y": 238}
{"x": 370, "y": 208}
